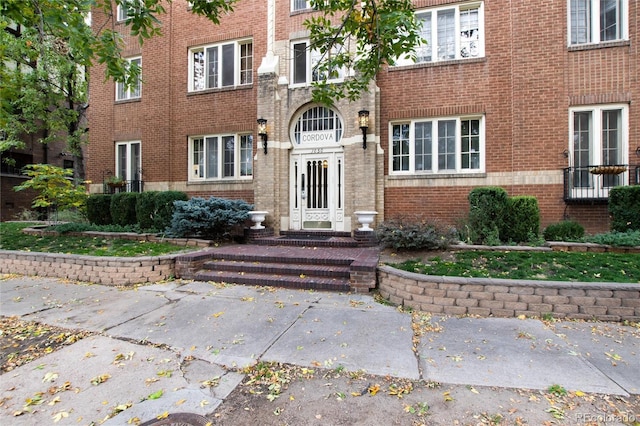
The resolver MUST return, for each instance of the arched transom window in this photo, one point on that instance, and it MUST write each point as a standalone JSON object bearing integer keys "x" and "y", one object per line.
{"x": 318, "y": 126}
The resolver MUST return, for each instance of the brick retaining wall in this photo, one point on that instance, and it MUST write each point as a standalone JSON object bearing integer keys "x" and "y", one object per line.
{"x": 96, "y": 269}
{"x": 510, "y": 298}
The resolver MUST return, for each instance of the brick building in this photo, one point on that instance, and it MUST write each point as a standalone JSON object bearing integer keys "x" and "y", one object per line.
{"x": 530, "y": 96}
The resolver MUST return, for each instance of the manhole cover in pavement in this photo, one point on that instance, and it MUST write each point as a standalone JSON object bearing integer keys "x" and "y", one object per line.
{"x": 179, "y": 419}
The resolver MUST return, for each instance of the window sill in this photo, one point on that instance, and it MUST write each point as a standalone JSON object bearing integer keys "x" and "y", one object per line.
{"x": 437, "y": 175}
{"x": 128, "y": 101}
{"x": 248, "y": 179}
{"x": 220, "y": 89}
{"x": 604, "y": 45}
{"x": 437, "y": 64}
{"x": 301, "y": 11}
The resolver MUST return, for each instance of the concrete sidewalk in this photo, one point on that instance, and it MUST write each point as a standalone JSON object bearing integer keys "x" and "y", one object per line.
{"x": 150, "y": 330}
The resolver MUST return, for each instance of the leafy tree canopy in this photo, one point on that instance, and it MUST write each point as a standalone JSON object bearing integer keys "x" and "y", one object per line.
{"x": 47, "y": 45}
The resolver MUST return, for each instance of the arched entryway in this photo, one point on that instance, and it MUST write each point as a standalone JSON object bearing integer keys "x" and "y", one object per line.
{"x": 317, "y": 165}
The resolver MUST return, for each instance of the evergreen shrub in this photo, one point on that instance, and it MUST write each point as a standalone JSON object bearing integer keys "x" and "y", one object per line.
{"x": 164, "y": 207}
{"x": 487, "y": 208}
{"x": 567, "y": 230}
{"x": 123, "y": 208}
{"x": 211, "y": 218}
{"x": 624, "y": 207}
{"x": 403, "y": 234}
{"x": 145, "y": 209}
{"x": 522, "y": 219}
{"x": 98, "y": 209}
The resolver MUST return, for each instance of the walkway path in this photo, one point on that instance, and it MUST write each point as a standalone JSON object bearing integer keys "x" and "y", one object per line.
{"x": 157, "y": 328}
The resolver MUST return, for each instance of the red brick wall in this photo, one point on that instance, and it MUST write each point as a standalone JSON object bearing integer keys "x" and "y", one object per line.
{"x": 524, "y": 86}
{"x": 166, "y": 115}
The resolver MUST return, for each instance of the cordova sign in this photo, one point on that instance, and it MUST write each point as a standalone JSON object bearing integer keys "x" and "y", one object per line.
{"x": 318, "y": 137}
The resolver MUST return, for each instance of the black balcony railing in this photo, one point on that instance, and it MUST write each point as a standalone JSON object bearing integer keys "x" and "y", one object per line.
{"x": 123, "y": 186}
{"x": 591, "y": 184}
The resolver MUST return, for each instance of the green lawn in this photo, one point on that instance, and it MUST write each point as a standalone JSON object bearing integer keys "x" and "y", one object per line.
{"x": 554, "y": 266}
{"x": 11, "y": 238}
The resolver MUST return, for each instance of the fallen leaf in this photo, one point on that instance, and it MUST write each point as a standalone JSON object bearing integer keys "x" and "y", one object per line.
{"x": 100, "y": 379}
{"x": 54, "y": 401}
{"x": 163, "y": 415}
{"x": 155, "y": 395}
{"x": 50, "y": 377}
{"x": 218, "y": 314}
{"x": 59, "y": 416}
{"x": 180, "y": 402}
{"x": 373, "y": 389}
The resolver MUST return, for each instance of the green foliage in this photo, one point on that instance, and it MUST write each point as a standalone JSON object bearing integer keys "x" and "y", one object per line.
{"x": 85, "y": 227}
{"x": 145, "y": 209}
{"x": 154, "y": 209}
{"x": 522, "y": 219}
{"x": 123, "y": 208}
{"x": 487, "y": 209}
{"x": 14, "y": 239}
{"x": 532, "y": 265}
{"x": 403, "y": 234}
{"x": 617, "y": 239}
{"x": 164, "y": 208}
{"x": 567, "y": 230}
{"x": 382, "y": 32}
{"x": 54, "y": 187}
{"x": 99, "y": 209}
{"x": 624, "y": 206}
{"x": 207, "y": 218}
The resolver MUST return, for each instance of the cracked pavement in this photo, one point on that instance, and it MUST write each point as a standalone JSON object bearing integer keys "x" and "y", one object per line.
{"x": 157, "y": 348}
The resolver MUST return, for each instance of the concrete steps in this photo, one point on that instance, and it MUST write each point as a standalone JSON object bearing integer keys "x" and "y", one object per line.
{"x": 320, "y": 261}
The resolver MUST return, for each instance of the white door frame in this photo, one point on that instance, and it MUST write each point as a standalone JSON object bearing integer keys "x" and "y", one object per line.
{"x": 323, "y": 208}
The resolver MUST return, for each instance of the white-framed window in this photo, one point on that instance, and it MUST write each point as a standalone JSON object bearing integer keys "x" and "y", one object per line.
{"x": 129, "y": 160}
{"x": 598, "y": 136}
{"x": 305, "y": 61}
{"x": 123, "y": 92}
{"x": 300, "y": 5}
{"x": 450, "y": 32}
{"x": 221, "y": 65}
{"x": 122, "y": 11}
{"x": 214, "y": 157}
{"x": 438, "y": 145}
{"x": 597, "y": 21}
{"x": 317, "y": 126}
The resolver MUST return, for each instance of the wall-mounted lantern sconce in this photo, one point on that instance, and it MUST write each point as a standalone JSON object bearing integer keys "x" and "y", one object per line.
{"x": 638, "y": 151}
{"x": 262, "y": 132}
{"x": 363, "y": 122}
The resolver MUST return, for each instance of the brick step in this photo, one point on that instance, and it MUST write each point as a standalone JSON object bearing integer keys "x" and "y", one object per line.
{"x": 293, "y": 269}
{"x": 302, "y": 241}
{"x": 280, "y": 257}
{"x": 275, "y": 280}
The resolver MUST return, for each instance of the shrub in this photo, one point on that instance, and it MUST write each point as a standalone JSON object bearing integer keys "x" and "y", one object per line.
{"x": 145, "y": 209}
{"x": 624, "y": 206}
{"x": 84, "y": 227}
{"x": 98, "y": 209}
{"x": 164, "y": 208}
{"x": 155, "y": 208}
{"x": 487, "y": 207}
{"x": 402, "y": 234}
{"x": 123, "y": 208}
{"x": 567, "y": 230}
{"x": 619, "y": 239}
{"x": 207, "y": 218}
{"x": 522, "y": 219}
